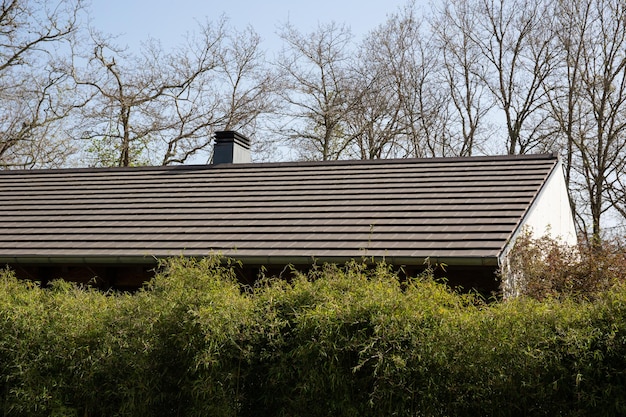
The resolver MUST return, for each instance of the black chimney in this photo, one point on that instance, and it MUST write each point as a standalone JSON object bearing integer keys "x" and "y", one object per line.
{"x": 231, "y": 148}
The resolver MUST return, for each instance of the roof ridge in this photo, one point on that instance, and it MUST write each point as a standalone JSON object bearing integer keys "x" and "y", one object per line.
{"x": 350, "y": 162}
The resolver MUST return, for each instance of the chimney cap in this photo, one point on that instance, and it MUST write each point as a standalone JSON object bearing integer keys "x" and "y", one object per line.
{"x": 226, "y": 136}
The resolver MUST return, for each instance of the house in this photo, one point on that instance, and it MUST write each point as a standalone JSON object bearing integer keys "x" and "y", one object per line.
{"x": 113, "y": 223}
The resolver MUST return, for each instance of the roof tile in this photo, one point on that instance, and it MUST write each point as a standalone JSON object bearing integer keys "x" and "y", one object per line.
{"x": 411, "y": 208}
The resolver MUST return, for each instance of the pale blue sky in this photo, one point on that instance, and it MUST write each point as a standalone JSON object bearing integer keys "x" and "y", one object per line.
{"x": 169, "y": 20}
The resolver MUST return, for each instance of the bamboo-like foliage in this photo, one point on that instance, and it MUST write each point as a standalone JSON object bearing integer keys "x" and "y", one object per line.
{"x": 341, "y": 341}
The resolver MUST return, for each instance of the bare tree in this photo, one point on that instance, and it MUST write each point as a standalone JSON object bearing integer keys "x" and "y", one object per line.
{"x": 237, "y": 93}
{"x": 590, "y": 106}
{"x": 405, "y": 113}
{"x": 34, "y": 94}
{"x": 373, "y": 123}
{"x": 564, "y": 93}
{"x": 161, "y": 107}
{"x": 516, "y": 40}
{"x": 463, "y": 74}
{"x": 317, "y": 90}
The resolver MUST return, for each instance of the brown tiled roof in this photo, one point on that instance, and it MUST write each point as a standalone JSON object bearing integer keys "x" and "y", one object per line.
{"x": 411, "y": 209}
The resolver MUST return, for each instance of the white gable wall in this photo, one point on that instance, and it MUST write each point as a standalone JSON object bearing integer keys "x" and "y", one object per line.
{"x": 549, "y": 214}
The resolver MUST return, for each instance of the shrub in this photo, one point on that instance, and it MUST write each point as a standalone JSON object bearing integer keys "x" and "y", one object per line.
{"x": 545, "y": 267}
{"x": 349, "y": 340}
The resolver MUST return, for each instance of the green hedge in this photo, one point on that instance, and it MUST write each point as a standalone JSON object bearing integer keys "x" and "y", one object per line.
{"x": 338, "y": 341}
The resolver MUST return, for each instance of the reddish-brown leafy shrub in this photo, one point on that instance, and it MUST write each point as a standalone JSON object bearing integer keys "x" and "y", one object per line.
{"x": 546, "y": 267}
